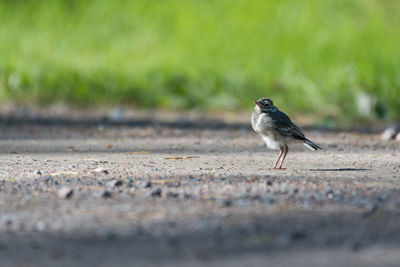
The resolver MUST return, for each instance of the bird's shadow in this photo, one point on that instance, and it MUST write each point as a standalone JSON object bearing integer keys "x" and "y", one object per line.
{"x": 340, "y": 170}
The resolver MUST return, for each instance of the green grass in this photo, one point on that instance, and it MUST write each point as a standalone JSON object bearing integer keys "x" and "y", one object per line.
{"x": 309, "y": 56}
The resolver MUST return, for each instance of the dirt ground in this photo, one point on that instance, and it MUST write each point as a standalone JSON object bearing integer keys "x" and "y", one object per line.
{"x": 192, "y": 191}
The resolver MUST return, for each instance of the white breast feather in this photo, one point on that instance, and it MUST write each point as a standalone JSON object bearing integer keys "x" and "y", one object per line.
{"x": 272, "y": 144}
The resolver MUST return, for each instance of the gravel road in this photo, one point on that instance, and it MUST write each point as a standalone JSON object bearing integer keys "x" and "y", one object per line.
{"x": 95, "y": 191}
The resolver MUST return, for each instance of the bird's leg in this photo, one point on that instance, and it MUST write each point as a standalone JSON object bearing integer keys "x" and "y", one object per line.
{"x": 286, "y": 150}
{"x": 280, "y": 155}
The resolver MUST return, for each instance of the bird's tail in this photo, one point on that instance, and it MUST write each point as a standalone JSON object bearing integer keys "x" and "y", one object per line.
{"x": 311, "y": 145}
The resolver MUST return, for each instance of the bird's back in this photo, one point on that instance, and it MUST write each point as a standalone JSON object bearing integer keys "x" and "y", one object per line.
{"x": 275, "y": 122}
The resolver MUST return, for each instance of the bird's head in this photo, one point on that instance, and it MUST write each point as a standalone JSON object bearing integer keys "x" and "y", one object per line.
{"x": 264, "y": 104}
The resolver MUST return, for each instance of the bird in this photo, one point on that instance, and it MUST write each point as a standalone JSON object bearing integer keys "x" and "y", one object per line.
{"x": 276, "y": 129}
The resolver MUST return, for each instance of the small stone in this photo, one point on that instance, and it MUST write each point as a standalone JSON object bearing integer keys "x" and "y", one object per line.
{"x": 129, "y": 183}
{"x": 188, "y": 196}
{"x": 106, "y": 194}
{"x": 227, "y": 202}
{"x": 356, "y": 246}
{"x": 269, "y": 182}
{"x": 65, "y": 192}
{"x": 101, "y": 170}
{"x": 156, "y": 193}
{"x": 370, "y": 210}
{"x": 131, "y": 190}
{"x": 390, "y": 132}
{"x": 380, "y": 199}
{"x": 37, "y": 172}
{"x": 40, "y": 226}
{"x": 116, "y": 114}
{"x": 297, "y": 236}
{"x": 269, "y": 200}
{"x": 114, "y": 183}
{"x": 365, "y": 103}
{"x": 140, "y": 184}
{"x": 172, "y": 195}
{"x": 329, "y": 193}
{"x": 49, "y": 180}
{"x": 398, "y": 137}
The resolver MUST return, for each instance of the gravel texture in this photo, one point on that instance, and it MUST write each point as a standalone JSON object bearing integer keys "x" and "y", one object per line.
{"x": 179, "y": 191}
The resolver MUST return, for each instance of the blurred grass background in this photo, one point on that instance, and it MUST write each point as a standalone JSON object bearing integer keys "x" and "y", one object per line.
{"x": 335, "y": 58}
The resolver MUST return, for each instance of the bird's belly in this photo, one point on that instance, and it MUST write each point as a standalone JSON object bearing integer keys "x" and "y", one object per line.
{"x": 271, "y": 143}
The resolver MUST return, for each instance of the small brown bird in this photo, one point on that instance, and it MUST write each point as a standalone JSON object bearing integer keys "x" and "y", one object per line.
{"x": 276, "y": 128}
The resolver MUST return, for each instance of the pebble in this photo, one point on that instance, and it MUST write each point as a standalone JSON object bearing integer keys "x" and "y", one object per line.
{"x": 188, "y": 196}
{"x": 140, "y": 184}
{"x": 114, "y": 183}
{"x": 116, "y": 115}
{"x": 40, "y": 226}
{"x": 298, "y": 236}
{"x": 328, "y": 193}
{"x": 156, "y": 193}
{"x": 131, "y": 190}
{"x": 101, "y": 170}
{"x": 172, "y": 195}
{"x": 398, "y": 137}
{"x": 227, "y": 203}
{"x": 356, "y": 246}
{"x": 370, "y": 210}
{"x": 9, "y": 221}
{"x": 268, "y": 200}
{"x": 390, "y": 132}
{"x": 65, "y": 192}
{"x": 143, "y": 184}
{"x": 106, "y": 194}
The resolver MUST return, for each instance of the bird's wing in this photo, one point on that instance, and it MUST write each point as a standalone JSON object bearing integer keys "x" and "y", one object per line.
{"x": 286, "y": 127}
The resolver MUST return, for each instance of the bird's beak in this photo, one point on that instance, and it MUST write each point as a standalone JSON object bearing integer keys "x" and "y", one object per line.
{"x": 255, "y": 102}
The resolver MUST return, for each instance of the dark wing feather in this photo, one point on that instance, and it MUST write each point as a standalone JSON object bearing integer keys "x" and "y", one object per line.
{"x": 285, "y": 127}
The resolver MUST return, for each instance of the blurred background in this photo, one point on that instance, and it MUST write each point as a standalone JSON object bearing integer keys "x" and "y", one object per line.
{"x": 338, "y": 59}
